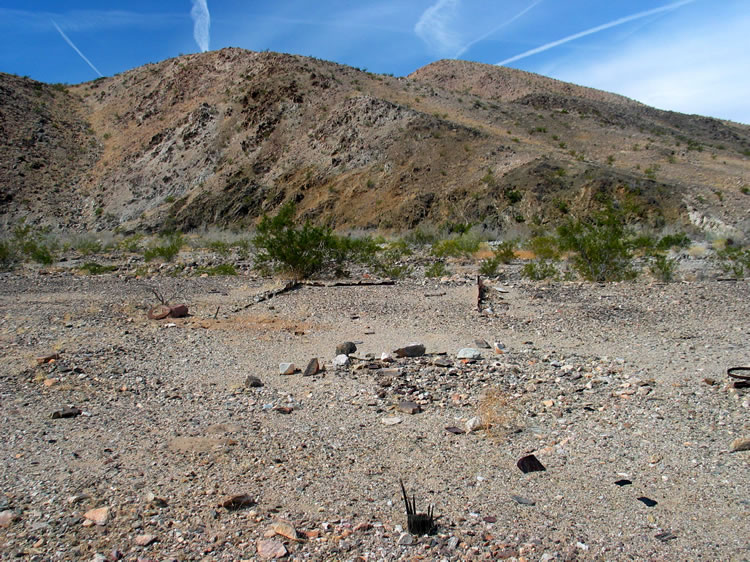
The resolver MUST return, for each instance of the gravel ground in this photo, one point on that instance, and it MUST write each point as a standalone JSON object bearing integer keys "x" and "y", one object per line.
{"x": 602, "y": 383}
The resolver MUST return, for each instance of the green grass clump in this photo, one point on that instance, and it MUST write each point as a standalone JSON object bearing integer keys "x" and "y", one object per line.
{"x": 171, "y": 245}
{"x": 390, "y": 260}
{"x": 539, "y": 269}
{"x": 678, "y": 240}
{"x": 662, "y": 267}
{"x": 464, "y": 245}
{"x": 504, "y": 252}
{"x": 437, "y": 269}
{"x": 93, "y": 268}
{"x": 734, "y": 260}
{"x": 221, "y": 269}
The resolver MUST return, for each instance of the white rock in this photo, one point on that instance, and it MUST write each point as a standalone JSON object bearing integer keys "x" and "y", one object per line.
{"x": 391, "y": 420}
{"x": 469, "y": 353}
{"x": 286, "y": 368}
{"x": 341, "y": 360}
{"x": 474, "y": 424}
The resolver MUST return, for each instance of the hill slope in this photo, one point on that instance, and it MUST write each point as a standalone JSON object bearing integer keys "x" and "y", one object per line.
{"x": 220, "y": 138}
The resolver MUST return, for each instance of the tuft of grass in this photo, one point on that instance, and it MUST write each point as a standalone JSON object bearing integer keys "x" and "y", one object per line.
{"x": 93, "y": 268}
{"x": 171, "y": 245}
{"x": 662, "y": 267}
{"x": 540, "y": 269}
{"x": 464, "y": 245}
{"x": 437, "y": 269}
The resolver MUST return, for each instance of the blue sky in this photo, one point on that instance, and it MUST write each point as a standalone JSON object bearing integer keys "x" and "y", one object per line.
{"x": 685, "y": 55}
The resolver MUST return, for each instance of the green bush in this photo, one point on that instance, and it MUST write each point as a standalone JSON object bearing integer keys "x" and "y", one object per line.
{"x": 171, "y": 247}
{"x": 544, "y": 247}
{"x": 131, "y": 243}
{"x": 539, "y": 270}
{"x": 9, "y": 257}
{"x": 679, "y": 240}
{"x": 389, "y": 262}
{"x": 601, "y": 246}
{"x": 437, "y": 269}
{"x": 734, "y": 260}
{"x": 305, "y": 251}
{"x": 34, "y": 244}
{"x": 464, "y": 245}
{"x": 503, "y": 253}
{"x": 87, "y": 245}
{"x": 662, "y": 267}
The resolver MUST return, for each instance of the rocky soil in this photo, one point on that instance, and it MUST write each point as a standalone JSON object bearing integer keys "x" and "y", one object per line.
{"x": 129, "y": 438}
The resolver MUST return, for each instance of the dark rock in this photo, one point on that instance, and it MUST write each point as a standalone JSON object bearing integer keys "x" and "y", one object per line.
{"x": 159, "y": 312}
{"x": 253, "y": 382}
{"x": 66, "y": 413}
{"x": 665, "y": 536}
{"x": 623, "y": 482}
{"x": 237, "y": 501}
{"x": 648, "y": 501}
{"x": 313, "y": 368}
{"x": 284, "y": 409}
{"x": 346, "y": 348}
{"x": 409, "y": 407}
{"x": 530, "y": 463}
{"x": 411, "y": 350}
{"x": 178, "y": 311}
{"x": 455, "y": 430}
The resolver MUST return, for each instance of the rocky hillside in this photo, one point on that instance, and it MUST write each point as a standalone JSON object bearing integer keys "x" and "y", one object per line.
{"x": 220, "y": 138}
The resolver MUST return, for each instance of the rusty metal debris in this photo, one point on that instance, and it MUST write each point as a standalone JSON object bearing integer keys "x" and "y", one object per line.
{"x": 743, "y": 380}
{"x": 418, "y": 523}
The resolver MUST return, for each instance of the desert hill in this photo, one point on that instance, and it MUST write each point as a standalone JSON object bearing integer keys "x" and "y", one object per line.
{"x": 220, "y": 138}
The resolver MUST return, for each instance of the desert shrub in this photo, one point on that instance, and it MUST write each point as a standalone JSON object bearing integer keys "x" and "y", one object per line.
{"x": 221, "y": 269}
{"x": 93, "y": 268}
{"x": 513, "y": 196}
{"x": 678, "y": 240}
{"x": 8, "y": 255}
{"x": 601, "y": 246}
{"x": 305, "y": 251}
{"x": 220, "y": 247}
{"x": 662, "y": 267}
{"x": 502, "y": 253}
{"x": 169, "y": 248}
{"x": 464, "y": 245}
{"x": 35, "y": 245}
{"x": 390, "y": 261}
{"x": 544, "y": 247}
{"x": 643, "y": 242}
{"x": 423, "y": 236}
{"x": 734, "y": 260}
{"x": 87, "y": 245}
{"x": 539, "y": 270}
{"x": 437, "y": 269}
{"x": 131, "y": 243}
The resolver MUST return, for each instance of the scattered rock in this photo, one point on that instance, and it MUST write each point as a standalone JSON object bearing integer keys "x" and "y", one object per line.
{"x": 341, "y": 361}
{"x": 178, "y": 311}
{"x": 647, "y": 501}
{"x": 66, "y": 413}
{"x": 285, "y": 529}
{"x": 253, "y": 382}
{"x": 284, "y": 409}
{"x": 47, "y": 358}
{"x": 530, "y": 463}
{"x": 410, "y": 350}
{"x": 499, "y": 347}
{"x": 469, "y": 353}
{"x": 740, "y": 444}
{"x": 346, "y": 348}
{"x": 391, "y": 420}
{"x": 405, "y": 539}
{"x": 522, "y": 500}
{"x": 623, "y": 482}
{"x": 155, "y": 500}
{"x": 313, "y": 367}
{"x": 455, "y": 430}
{"x": 270, "y": 549}
{"x": 144, "y": 540}
{"x": 287, "y": 368}
{"x": 98, "y": 516}
{"x": 481, "y": 343}
{"x": 7, "y": 517}
{"x": 237, "y": 501}
{"x": 386, "y": 357}
{"x": 409, "y": 407}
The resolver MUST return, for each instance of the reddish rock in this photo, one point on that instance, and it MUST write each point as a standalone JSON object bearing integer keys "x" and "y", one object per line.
{"x": 7, "y": 517}
{"x": 270, "y": 549}
{"x": 145, "y": 540}
{"x": 98, "y": 516}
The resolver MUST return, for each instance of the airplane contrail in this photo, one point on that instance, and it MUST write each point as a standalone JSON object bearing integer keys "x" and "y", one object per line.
{"x": 466, "y": 47}
{"x": 626, "y": 19}
{"x": 76, "y": 49}
{"x": 201, "y": 24}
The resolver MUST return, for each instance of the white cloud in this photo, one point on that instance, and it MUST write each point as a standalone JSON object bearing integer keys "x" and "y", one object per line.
{"x": 435, "y": 27}
{"x": 201, "y": 24}
{"x": 700, "y": 67}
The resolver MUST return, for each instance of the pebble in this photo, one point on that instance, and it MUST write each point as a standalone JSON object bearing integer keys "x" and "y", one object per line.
{"x": 410, "y": 350}
{"x": 406, "y": 539}
{"x": 530, "y": 463}
{"x": 391, "y": 420}
{"x": 7, "y": 517}
{"x": 144, "y": 540}
{"x": 253, "y": 382}
{"x": 236, "y": 501}
{"x": 740, "y": 444}
{"x": 285, "y": 529}
{"x": 313, "y": 367}
{"x": 474, "y": 424}
{"x": 341, "y": 361}
{"x": 409, "y": 407}
{"x": 522, "y": 500}
{"x": 346, "y": 348}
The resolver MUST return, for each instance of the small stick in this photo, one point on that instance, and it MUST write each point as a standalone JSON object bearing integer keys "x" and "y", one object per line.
{"x": 217, "y": 312}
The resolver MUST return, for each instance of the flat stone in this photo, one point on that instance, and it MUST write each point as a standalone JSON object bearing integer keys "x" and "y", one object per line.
{"x": 623, "y": 482}
{"x": 286, "y": 368}
{"x": 236, "y": 501}
{"x": 346, "y": 348}
{"x": 144, "y": 540}
{"x": 469, "y": 353}
{"x": 313, "y": 367}
{"x": 474, "y": 424}
{"x": 341, "y": 361}
{"x": 285, "y": 529}
{"x": 648, "y": 502}
{"x": 253, "y": 382}
{"x": 405, "y": 539}
{"x": 522, "y": 500}
{"x": 740, "y": 444}
{"x": 530, "y": 463}
{"x": 391, "y": 420}
{"x": 98, "y": 516}
{"x": 481, "y": 343}
{"x": 454, "y": 430}
{"x": 268, "y": 548}
{"x": 409, "y": 407}
{"x": 410, "y": 350}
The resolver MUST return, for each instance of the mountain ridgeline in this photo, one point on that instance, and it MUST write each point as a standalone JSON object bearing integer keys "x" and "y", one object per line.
{"x": 220, "y": 138}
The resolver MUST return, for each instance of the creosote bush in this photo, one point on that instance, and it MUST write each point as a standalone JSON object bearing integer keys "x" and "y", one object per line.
{"x": 170, "y": 247}
{"x": 305, "y": 251}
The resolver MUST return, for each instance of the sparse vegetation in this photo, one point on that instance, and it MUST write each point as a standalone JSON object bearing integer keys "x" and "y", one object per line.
{"x": 436, "y": 269}
{"x": 464, "y": 245}
{"x": 93, "y": 268}
{"x": 539, "y": 270}
{"x": 662, "y": 267}
{"x": 734, "y": 260}
{"x": 169, "y": 248}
